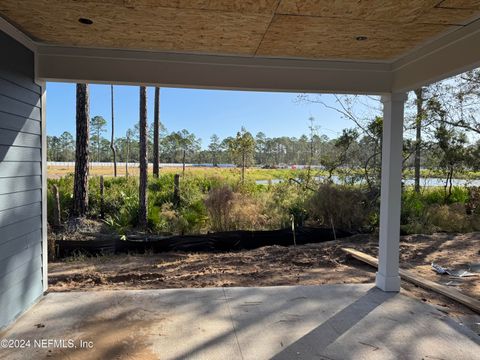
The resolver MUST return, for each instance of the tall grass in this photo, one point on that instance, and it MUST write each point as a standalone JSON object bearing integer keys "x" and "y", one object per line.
{"x": 429, "y": 211}
{"x": 217, "y": 201}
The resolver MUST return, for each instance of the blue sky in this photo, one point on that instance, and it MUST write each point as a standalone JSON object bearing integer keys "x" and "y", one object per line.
{"x": 202, "y": 112}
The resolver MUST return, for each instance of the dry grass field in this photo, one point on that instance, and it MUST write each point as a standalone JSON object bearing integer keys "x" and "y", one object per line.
{"x": 58, "y": 171}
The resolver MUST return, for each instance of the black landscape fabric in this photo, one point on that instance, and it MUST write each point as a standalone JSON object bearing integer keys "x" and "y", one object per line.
{"x": 221, "y": 241}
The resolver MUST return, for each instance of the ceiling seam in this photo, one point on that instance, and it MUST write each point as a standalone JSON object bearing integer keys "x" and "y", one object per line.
{"x": 268, "y": 27}
{"x": 370, "y": 20}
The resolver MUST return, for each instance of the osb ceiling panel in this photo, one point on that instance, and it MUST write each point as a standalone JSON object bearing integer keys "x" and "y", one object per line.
{"x": 378, "y": 10}
{"x": 453, "y": 16}
{"x": 395, "y": 11}
{"x": 335, "y": 38}
{"x": 318, "y": 29}
{"x": 248, "y": 6}
{"x": 138, "y": 26}
{"x": 460, "y": 4}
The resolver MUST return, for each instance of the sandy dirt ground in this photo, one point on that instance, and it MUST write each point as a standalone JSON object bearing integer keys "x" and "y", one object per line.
{"x": 313, "y": 264}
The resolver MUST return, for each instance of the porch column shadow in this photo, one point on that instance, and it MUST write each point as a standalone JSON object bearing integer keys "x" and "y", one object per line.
{"x": 313, "y": 344}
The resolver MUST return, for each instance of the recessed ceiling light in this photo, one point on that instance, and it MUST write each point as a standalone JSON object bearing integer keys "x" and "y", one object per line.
{"x": 85, "y": 21}
{"x": 361, "y": 38}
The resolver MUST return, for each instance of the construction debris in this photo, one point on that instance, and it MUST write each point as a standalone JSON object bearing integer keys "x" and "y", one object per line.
{"x": 455, "y": 273}
{"x": 439, "y": 269}
{"x": 474, "y": 268}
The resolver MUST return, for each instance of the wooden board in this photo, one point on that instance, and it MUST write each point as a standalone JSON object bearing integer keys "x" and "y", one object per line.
{"x": 409, "y": 276}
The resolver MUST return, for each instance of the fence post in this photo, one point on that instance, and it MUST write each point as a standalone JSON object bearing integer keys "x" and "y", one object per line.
{"x": 56, "y": 208}
{"x": 176, "y": 190}
{"x": 102, "y": 198}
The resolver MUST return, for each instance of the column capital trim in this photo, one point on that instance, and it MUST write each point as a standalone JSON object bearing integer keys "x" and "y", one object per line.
{"x": 394, "y": 97}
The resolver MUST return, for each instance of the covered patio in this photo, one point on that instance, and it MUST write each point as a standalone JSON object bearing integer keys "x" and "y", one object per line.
{"x": 284, "y": 322}
{"x": 380, "y": 47}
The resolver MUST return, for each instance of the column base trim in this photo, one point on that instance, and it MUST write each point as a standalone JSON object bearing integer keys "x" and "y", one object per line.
{"x": 391, "y": 283}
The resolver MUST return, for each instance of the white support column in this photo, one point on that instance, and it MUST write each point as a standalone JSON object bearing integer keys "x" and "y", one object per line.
{"x": 43, "y": 102}
{"x": 388, "y": 278}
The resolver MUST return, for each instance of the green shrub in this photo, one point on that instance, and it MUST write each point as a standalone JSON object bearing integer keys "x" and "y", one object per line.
{"x": 287, "y": 200}
{"x": 436, "y": 195}
{"x": 193, "y": 218}
{"x": 345, "y": 206}
{"x": 426, "y": 212}
{"x": 449, "y": 218}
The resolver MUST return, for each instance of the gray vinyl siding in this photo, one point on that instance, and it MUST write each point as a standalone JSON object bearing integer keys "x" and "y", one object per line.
{"x": 21, "y": 282}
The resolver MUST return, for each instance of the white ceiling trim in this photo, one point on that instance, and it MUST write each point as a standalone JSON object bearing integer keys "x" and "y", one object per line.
{"x": 21, "y": 37}
{"x": 210, "y": 71}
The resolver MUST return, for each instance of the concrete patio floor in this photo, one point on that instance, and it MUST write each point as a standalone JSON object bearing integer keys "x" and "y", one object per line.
{"x": 290, "y": 322}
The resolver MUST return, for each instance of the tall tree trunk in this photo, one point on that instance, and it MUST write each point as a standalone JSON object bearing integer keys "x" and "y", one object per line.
{"x": 112, "y": 141}
{"x": 156, "y": 133}
{"x": 142, "y": 213}
{"x": 80, "y": 187}
{"x": 418, "y": 137}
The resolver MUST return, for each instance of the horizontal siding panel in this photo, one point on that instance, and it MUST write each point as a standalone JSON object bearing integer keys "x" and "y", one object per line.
{"x": 14, "y": 262}
{"x": 15, "y": 184}
{"x": 20, "y": 80}
{"x": 20, "y": 213}
{"x": 15, "y": 91}
{"x": 21, "y": 233}
{"x": 17, "y": 245}
{"x": 19, "y": 229}
{"x": 23, "y": 273}
{"x": 17, "y": 153}
{"x": 19, "y": 297}
{"x": 19, "y": 123}
{"x": 13, "y": 169}
{"x": 10, "y": 201}
{"x": 18, "y": 65}
{"x": 19, "y": 108}
{"x": 15, "y": 138}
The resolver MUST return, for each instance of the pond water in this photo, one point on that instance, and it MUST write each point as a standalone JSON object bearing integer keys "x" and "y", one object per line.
{"x": 424, "y": 182}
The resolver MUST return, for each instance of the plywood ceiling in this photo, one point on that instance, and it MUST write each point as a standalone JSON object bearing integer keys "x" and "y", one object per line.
{"x": 314, "y": 29}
